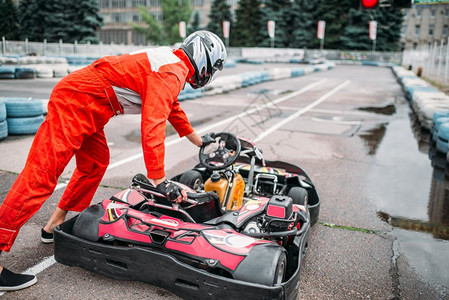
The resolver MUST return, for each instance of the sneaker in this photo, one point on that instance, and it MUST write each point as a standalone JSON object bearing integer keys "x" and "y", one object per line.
{"x": 46, "y": 238}
{"x": 10, "y": 281}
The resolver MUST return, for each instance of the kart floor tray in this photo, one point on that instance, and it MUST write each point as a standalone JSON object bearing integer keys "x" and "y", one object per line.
{"x": 160, "y": 269}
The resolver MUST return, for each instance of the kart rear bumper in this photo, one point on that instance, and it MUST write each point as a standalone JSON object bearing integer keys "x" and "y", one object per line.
{"x": 163, "y": 270}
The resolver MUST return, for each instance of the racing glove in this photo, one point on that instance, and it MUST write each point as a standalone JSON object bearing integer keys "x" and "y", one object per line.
{"x": 208, "y": 138}
{"x": 172, "y": 191}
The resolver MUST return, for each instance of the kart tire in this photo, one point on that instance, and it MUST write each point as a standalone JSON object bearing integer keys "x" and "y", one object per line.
{"x": 265, "y": 264}
{"x": 23, "y": 107}
{"x": 2, "y": 110}
{"x": 3, "y": 130}
{"x": 192, "y": 179}
{"x": 18, "y": 126}
{"x": 87, "y": 222}
{"x": 299, "y": 195}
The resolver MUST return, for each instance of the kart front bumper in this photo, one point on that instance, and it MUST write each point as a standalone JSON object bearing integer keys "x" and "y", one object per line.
{"x": 163, "y": 270}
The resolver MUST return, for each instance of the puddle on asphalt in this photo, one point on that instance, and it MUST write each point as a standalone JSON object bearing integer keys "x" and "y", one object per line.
{"x": 388, "y": 110}
{"x": 136, "y": 136}
{"x": 409, "y": 184}
{"x": 373, "y": 137}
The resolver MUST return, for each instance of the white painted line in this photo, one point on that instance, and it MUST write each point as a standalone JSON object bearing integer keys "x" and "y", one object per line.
{"x": 50, "y": 260}
{"x": 300, "y": 112}
{"x": 260, "y": 107}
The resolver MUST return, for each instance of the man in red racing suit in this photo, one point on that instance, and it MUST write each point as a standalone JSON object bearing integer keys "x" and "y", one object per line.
{"x": 81, "y": 104}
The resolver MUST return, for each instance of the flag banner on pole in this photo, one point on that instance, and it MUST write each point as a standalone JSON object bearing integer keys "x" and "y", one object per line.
{"x": 226, "y": 26}
{"x": 321, "y": 28}
{"x": 271, "y": 28}
{"x": 372, "y": 30}
{"x": 182, "y": 29}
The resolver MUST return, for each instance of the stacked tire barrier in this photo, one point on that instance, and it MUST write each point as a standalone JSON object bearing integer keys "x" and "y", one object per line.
{"x": 20, "y": 116}
{"x": 3, "y": 123}
{"x": 231, "y": 82}
{"x": 29, "y": 67}
{"x": 430, "y": 105}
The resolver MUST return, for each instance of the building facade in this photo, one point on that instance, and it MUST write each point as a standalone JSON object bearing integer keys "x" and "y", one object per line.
{"x": 118, "y": 16}
{"x": 424, "y": 25}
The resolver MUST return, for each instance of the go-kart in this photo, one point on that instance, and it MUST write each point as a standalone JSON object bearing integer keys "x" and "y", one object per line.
{"x": 240, "y": 234}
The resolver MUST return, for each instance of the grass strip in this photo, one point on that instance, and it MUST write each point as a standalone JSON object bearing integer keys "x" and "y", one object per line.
{"x": 350, "y": 228}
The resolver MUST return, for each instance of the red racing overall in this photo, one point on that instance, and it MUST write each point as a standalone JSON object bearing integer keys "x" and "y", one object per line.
{"x": 80, "y": 106}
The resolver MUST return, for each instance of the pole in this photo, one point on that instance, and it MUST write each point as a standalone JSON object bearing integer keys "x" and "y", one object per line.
{"x": 374, "y": 46}
{"x": 3, "y": 45}
{"x": 440, "y": 58}
{"x": 26, "y": 46}
{"x": 447, "y": 63}
{"x": 44, "y": 46}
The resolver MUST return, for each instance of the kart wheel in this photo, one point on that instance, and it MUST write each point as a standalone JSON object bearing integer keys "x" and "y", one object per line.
{"x": 192, "y": 179}
{"x": 280, "y": 269}
{"x": 264, "y": 265}
{"x": 299, "y": 195}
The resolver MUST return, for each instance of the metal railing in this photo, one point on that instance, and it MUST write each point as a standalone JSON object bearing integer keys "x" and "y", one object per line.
{"x": 20, "y": 48}
{"x": 433, "y": 61}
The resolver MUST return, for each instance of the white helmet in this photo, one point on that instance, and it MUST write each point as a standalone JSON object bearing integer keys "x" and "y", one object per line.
{"x": 207, "y": 54}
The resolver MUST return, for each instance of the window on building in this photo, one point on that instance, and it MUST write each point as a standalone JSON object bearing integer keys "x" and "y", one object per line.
{"x": 417, "y": 27}
{"x": 118, "y": 18}
{"x": 136, "y": 3}
{"x": 418, "y": 13}
{"x": 446, "y": 12}
{"x": 415, "y": 45}
{"x": 404, "y": 30}
{"x": 445, "y": 31}
{"x": 118, "y": 3}
{"x": 432, "y": 13}
{"x": 104, "y": 3}
{"x": 157, "y": 15}
{"x": 431, "y": 29}
{"x": 154, "y": 3}
{"x": 197, "y": 2}
{"x": 136, "y": 18}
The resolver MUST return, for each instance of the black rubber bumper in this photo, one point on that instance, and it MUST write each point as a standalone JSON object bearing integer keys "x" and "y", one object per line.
{"x": 162, "y": 269}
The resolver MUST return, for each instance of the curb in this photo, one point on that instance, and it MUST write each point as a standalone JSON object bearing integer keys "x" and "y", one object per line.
{"x": 430, "y": 105}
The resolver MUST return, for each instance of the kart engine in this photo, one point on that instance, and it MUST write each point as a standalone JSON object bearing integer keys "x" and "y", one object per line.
{"x": 278, "y": 217}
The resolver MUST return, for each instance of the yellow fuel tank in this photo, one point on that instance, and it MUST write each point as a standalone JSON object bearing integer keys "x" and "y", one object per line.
{"x": 235, "y": 194}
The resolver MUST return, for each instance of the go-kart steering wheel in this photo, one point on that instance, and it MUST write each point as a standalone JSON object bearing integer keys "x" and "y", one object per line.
{"x": 222, "y": 153}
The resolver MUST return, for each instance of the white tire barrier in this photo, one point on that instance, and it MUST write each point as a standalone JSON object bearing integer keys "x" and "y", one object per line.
{"x": 22, "y": 107}
{"x": 20, "y": 126}
{"x": 3, "y": 130}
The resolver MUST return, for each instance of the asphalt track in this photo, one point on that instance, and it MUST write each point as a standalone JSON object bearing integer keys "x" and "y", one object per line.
{"x": 319, "y": 122}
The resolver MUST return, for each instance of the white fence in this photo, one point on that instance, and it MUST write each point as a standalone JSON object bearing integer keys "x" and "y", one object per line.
{"x": 433, "y": 59}
{"x": 63, "y": 49}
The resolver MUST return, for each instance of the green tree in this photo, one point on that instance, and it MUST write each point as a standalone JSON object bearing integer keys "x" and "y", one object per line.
{"x": 59, "y": 19}
{"x": 166, "y": 32}
{"x": 86, "y": 21}
{"x": 303, "y": 19}
{"x": 389, "y": 22}
{"x": 195, "y": 24}
{"x": 152, "y": 30}
{"x": 355, "y": 35}
{"x": 29, "y": 27}
{"x": 278, "y": 11}
{"x": 9, "y": 21}
{"x": 220, "y": 11}
{"x": 173, "y": 12}
{"x": 247, "y": 24}
{"x": 336, "y": 15}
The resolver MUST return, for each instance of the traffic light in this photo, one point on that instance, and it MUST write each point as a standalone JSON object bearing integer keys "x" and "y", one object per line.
{"x": 402, "y": 3}
{"x": 369, "y": 4}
